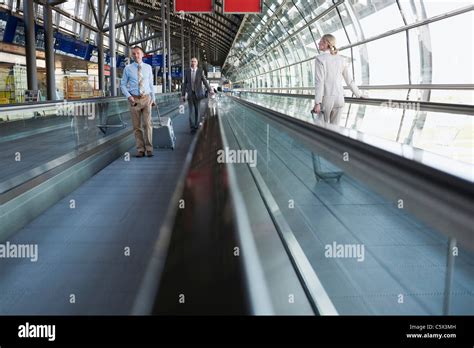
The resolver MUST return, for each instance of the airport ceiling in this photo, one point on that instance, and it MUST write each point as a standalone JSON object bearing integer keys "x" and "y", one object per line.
{"x": 213, "y": 33}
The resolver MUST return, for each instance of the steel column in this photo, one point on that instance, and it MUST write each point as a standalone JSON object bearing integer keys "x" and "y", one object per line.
{"x": 168, "y": 46}
{"x": 127, "y": 37}
{"x": 31, "y": 70}
{"x": 182, "y": 50}
{"x": 100, "y": 47}
{"x": 190, "y": 52}
{"x": 49, "y": 52}
{"x": 163, "y": 44}
{"x": 112, "y": 47}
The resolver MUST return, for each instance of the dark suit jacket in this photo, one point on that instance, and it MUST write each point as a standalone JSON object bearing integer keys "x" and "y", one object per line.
{"x": 200, "y": 78}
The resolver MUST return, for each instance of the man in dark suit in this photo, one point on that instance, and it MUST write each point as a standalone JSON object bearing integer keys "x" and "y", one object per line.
{"x": 193, "y": 80}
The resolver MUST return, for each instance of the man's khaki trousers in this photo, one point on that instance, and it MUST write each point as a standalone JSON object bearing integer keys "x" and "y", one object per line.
{"x": 143, "y": 138}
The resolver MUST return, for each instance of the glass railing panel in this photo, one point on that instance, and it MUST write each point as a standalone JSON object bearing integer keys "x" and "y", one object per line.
{"x": 37, "y": 137}
{"x": 447, "y": 134}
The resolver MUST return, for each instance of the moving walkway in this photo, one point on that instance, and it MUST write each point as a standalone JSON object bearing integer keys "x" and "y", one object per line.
{"x": 258, "y": 236}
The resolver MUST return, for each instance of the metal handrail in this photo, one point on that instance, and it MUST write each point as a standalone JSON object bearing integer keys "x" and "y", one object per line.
{"x": 441, "y": 86}
{"x": 464, "y": 109}
{"x": 52, "y": 103}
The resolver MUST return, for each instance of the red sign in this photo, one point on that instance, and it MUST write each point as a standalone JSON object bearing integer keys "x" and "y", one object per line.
{"x": 193, "y": 6}
{"x": 242, "y": 6}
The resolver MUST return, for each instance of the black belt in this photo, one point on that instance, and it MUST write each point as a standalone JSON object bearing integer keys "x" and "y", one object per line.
{"x": 139, "y": 96}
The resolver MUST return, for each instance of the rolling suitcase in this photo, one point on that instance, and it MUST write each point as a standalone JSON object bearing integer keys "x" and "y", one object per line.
{"x": 324, "y": 170}
{"x": 163, "y": 133}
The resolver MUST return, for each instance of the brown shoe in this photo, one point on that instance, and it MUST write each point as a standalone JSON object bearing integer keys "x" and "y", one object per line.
{"x": 149, "y": 153}
{"x": 140, "y": 154}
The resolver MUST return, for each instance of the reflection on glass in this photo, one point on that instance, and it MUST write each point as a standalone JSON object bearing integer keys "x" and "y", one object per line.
{"x": 449, "y": 135}
{"x": 324, "y": 171}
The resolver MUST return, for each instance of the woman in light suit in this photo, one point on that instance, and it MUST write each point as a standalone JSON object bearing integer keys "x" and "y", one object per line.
{"x": 330, "y": 69}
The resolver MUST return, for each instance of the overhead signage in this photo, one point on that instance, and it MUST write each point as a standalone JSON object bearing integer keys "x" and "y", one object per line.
{"x": 157, "y": 61}
{"x": 69, "y": 45}
{"x": 193, "y": 6}
{"x": 176, "y": 72}
{"x": 10, "y": 28}
{"x": 242, "y": 6}
{"x": 121, "y": 61}
{"x": 148, "y": 59}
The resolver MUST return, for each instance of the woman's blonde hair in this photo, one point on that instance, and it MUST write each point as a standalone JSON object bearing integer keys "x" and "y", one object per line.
{"x": 331, "y": 40}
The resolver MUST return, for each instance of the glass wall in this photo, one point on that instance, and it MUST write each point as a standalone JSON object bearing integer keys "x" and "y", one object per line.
{"x": 395, "y": 47}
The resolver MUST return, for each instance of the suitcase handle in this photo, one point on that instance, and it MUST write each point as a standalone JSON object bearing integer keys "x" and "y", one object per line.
{"x": 158, "y": 112}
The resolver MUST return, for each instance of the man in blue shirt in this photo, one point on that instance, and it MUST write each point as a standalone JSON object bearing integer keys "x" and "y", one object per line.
{"x": 137, "y": 86}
